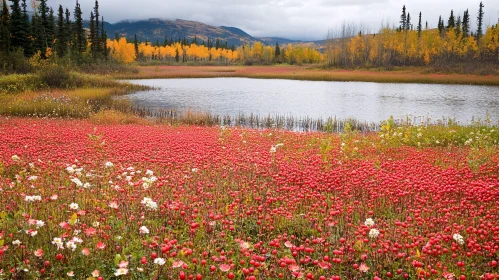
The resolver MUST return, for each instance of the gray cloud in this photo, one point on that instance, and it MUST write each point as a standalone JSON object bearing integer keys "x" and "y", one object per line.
{"x": 294, "y": 19}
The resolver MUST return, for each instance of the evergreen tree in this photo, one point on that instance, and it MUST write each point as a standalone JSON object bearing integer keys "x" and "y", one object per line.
{"x": 479, "y": 30}
{"x": 136, "y": 46}
{"x": 92, "y": 36}
{"x": 97, "y": 39}
{"x": 426, "y": 25}
{"x": 408, "y": 23}
{"x": 5, "y": 28}
{"x": 177, "y": 57}
{"x": 458, "y": 26}
{"x": 27, "y": 44}
{"x": 50, "y": 28}
{"x": 39, "y": 43}
{"x": 420, "y": 26}
{"x": 403, "y": 19}
{"x": 41, "y": 27}
{"x": 451, "y": 23}
{"x": 80, "y": 44}
{"x": 67, "y": 30}
{"x": 18, "y": 32}
{"x": 466, "y": 24}
{"x": 60, "y": 35}
{"x": 103, "y": 33}
{"x": 277, "y": 50}
{"x": 441, "y": 26}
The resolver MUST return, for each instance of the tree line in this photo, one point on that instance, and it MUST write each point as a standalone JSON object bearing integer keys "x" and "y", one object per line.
{"x": 47, "y": 33}
{"x": 410, "y": 44}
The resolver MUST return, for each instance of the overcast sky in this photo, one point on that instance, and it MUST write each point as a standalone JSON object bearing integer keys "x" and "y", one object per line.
{"x": 293, "y": 19}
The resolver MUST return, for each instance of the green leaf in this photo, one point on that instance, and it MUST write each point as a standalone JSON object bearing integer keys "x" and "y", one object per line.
{"x": 3, "y": 215}
{"x": 117, "y": 259}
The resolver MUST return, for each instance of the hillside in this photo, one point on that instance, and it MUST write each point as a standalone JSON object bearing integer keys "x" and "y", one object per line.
{"x": 158, "y": 29}
{"x": 155, "y": 29}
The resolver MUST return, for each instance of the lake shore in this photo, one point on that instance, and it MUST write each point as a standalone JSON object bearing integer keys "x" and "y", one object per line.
{"x": 307, "y": 73}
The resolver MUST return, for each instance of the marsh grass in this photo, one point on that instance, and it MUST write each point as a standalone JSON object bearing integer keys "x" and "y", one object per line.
{"x": 308, "y": 74}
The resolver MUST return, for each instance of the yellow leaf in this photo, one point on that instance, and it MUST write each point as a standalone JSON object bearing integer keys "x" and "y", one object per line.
{"x": 1, "y": 243}
{"x": 3, "y": 215}
{"x": 418, "y": 254}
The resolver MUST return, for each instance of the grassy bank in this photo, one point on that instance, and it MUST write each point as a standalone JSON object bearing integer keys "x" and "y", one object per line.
{"x": 58, "y": 92}
{"x": 412, "y": 75}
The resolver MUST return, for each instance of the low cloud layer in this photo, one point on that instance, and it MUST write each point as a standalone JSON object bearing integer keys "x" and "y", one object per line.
{"x": 294, "y": 19}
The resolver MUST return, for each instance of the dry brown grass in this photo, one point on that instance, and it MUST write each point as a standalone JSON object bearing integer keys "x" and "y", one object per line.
{"x": 116, "y": 117}
{"x": 308, "y": 73}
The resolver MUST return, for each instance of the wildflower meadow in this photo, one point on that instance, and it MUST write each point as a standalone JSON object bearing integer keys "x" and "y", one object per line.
{"x": 86, "y": 201}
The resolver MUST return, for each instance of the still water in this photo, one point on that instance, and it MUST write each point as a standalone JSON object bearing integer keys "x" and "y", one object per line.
{"x": 372, "y": 102}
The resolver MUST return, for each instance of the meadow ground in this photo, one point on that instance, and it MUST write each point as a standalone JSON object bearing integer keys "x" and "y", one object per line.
{"x": 186, "y": 202}
{"x": 413, "y": 75}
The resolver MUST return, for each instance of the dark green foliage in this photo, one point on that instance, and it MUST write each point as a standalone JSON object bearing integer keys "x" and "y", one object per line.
{"x": 5, "y": 29}
{"x": 420, "y": 25}
{"x": 479, "y": 29}
{"x": 80, "y": 44}
{"x": 27, "y": 41}
{"x": 277, "y": 50}
{"x": 451, "y": 23}
{"x": 466, "y": 24}
{"x": 61, "y": 40}
{"x": 403, "y": 19}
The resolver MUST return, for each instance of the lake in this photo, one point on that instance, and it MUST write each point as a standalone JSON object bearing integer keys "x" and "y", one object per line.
{"x": 371, "y": 102}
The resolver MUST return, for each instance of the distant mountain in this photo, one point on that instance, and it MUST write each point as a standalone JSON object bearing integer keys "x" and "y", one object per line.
{"x": 155, "y": 29}
{"x": 158, "y": 29}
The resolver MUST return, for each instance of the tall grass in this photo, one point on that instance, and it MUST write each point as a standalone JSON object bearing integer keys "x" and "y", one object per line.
{"x": 309, "y": 74}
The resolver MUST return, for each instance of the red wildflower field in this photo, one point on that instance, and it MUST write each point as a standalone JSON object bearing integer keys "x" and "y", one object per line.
{"x": 160, "y": 202}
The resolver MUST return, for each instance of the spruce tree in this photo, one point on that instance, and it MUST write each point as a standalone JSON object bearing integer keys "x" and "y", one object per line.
{"x": 27, "y": 44}
{"x": 408, "y": 23}
{"x": 466, "y": 24}
{"x": 68, "y": 30}
{"x": 50, "y": 28}
{"x": 136, "y": 46}
{"x": 60, "y": 46}
{"x": 277, "y": 50}
{"x": 103, "y": 36}
{"x": 39, "y": 43}
{"x": 93, "y": 48}
{"x": 440, "y": 26}
{"x": 18, "y": 32}
{"x": 420, "y": 25}
{"x": 479, "y": 30}
{"x": 42, "y": 27}
{"x": 97, "y": 39}
{"x": 451, "y": 23}
{"x": 403, "y": 19}
{"x": 458, "y": 26}
{"x": 5, "y": 28}
{"x": 80, "y": 44}
{"x": 177, "y": 57}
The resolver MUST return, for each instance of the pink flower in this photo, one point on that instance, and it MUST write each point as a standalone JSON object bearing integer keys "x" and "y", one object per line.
{"x": 288, "y": 244}
{"x": 177, "y": 264}
{"x": 123, "y": 264}
{"x": 100, "y": 245}
{"x": 294, "y": 268}
{"x": 95, "y": 273}
{"x": 85, "y": 251}
{"x": 39, "y": 253}
{"x": 64, "y": 225}
{"x": 90, "y": 231}
{"x": 224, "y": 267}
{"x": 363, "y": 268}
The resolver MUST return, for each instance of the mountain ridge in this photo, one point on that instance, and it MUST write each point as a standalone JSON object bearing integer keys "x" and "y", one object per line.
{"x": 156, "y": 29}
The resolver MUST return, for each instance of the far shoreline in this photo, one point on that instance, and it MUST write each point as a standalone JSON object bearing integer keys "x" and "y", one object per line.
{"x": 308, "y": 73}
